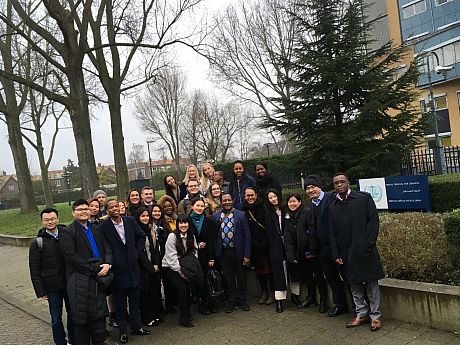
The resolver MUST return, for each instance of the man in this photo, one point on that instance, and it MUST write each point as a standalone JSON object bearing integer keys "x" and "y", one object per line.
{"x": 88, "y": 260}
{"x": 101, "y": 196}
{"x": 148, "y": 197}
{"x": 233, "y": 247}
{"x": 47, "y": 271}
{"x": 219, "y": 178}
{"x": 193, "y": 190}
{"x": 319, "y": 207}
{"x": 354, "y": 226}
{"x": 127, "y": 241}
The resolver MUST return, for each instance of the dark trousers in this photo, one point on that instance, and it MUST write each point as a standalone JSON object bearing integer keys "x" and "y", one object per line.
{"x": 182, "y": 287}
{"x": 151, "y": 306}
{"x": 331, "y": 271}
{"x": 235, "y": 275}
{"x": 55, "y": 303}
{"x": 169, "y": 292}
{"x": 121, "y": 295}
{"x": 93, "y": 333}
{"x": 309, "y": 271}
{"x": 266, "y": 282}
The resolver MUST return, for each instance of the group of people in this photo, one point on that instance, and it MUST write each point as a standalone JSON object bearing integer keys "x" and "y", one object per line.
{"x": 138, "y": 260}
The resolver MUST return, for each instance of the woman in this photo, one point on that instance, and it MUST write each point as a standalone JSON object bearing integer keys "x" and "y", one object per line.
{"x": 256, "y": 213}
{"x": 191, "y": 172}
{"x": 122, "y": 207}
{"x": 302, "y": 255}
{"x": 238, "y": 184}
{"x": 174, "y": 190}
{"x": 180, "y": 243}
{"x": 207, "y": 174}
{"x": 94, "y": 208}
{"x": 150, "y": 303}
{"x": 132, "y": 202}
{"x": 274, "y": 221}
{"x": 212, "y": 198}
{"x": 204, "y": 229}
{"x": 265, "y": 180}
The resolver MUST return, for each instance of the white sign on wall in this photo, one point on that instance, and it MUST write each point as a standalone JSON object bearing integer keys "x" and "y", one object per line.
{"x": 377, "y": 189}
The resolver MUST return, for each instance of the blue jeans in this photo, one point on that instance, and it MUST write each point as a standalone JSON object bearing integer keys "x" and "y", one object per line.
{"x": 55, "y": 304}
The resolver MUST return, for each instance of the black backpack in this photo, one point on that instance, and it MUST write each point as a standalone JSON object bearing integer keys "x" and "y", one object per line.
{"x": 215, "y": 283}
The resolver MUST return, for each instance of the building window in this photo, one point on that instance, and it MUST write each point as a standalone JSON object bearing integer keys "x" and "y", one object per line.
{"x": 57, "y": 183}
{"x": 11, "y": 188}
{"x": 440, "y": 102}
{"x": 414, "y": 8}
{"x": 442, "y": 2}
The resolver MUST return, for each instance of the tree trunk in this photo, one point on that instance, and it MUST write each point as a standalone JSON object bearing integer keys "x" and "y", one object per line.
{"x": 44, "y": 172}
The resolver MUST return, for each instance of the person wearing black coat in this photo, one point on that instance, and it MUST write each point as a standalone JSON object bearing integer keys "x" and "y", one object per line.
{"x": 302, "y": 255}
{"x": 354, "y": 226}
{"x": 265, "y": 180}
{"x": 88, "y": 261}
{"x": 127, "y": 241}
{"x": 175, "y": 190}
{"x": 254, "y": 207}
{"x": 274, "y": 221}
{"x": 47, "y": 272}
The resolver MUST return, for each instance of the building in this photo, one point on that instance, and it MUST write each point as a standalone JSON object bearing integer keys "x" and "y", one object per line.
{"x": 9, "y": 187}
{"x": 141, "y": 170}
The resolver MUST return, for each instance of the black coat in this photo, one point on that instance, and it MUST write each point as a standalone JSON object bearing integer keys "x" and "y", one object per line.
{"x": 146, "y": 264}
{"x": 266, "y": 182}
{"x": 354, "y": 227}
{"x": 208, "y": 235}
{"x": 256, "y": 215}
{"x": 297, "y": 234}
{"x": 47, "y": 267}
{"x": 87, "y": 299}
{"x": 276, "y": 248}
{"x": 125, "y": 256}
{"x": 182, "y": 193}
{"x": 320, "y": 225}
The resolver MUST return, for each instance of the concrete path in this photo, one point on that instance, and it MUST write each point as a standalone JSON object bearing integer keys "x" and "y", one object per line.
{"x": 261, "y": 325}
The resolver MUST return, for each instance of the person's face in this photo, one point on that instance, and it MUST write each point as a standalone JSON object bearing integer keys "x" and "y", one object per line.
{"x": 170, "y": 181}
{"x": 198, "y": 207}
{"x": 260, "y": 170}
{"x": 238, "y": 169}
{"x": 217, "y": 177}
{"x": 168, "y": 208}
{"x": 147, "y": 196}
{"x": 81, "y": 213}
{"x": 183, "y": 227}
{"x": 215, "y": 190}
{"x": 193, "y": 187}
{"x": 341, "y": 184}
{"x": 134, "y": 197}
{"x": 93, "y": 208}
{"x": 122, "y": 207}
{"x": 191, "y": 172}
{"x": 144, "y": 217}
{"x": 208, "y": 170}
{"x": 102, "y": 199}
{"x": 113, "y": 209}
{"x": 272, "y": 199}
{"x": 313, "y": 191}
{"x": 156, "y": 213}
{"x": 250, "y": 196}
{"x": 50, "y": 221}
{"x": 293, "y": 203}
{"x": 227, "y": 202}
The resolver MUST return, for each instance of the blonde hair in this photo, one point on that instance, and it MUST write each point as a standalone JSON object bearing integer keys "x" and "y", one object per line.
{"x": 187, "y": 177}
{"x": 204, "y": 178}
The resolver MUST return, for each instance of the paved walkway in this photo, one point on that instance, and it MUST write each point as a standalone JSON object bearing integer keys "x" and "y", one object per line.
{"x": 261, "y": 325}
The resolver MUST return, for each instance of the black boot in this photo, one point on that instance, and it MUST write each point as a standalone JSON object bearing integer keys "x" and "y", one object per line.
{"x": 295, "y": 299}
{"x": 309, "y": 302}
{"x": 279, "y": 306}
{"x": 185, "y": 321}
{"x": 323, "y": 307}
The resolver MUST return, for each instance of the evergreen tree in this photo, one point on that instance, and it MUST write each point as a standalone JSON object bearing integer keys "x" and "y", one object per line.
{"x": 349, "y": 110}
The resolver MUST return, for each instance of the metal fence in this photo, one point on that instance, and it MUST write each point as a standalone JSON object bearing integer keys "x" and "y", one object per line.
{"x": 422, "y": 162}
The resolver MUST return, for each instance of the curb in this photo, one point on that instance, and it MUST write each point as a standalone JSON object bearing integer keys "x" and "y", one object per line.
{"x": 33, "y": 311}
{"x": 17, "y": 241}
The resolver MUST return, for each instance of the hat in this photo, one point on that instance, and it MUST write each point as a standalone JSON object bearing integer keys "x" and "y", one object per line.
{"x": 312, "y": 180}
{"x": 100, "y": 191}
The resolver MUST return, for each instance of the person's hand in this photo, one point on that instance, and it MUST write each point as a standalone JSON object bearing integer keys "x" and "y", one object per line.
{"x": 104, "y": 270}
{"x": 45, "y": 298}
{"x": 156, "y": 268}
{"x": 201, "y": 245}
{"x": 294, "y": 261}
{"x": 246, "y": 261}
{"x": 310, "y": 256}
{"x": 211, "y": 263}
{"x": 339, "y": 261}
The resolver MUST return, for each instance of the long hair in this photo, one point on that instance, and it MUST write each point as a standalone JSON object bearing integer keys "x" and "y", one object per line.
{"x": 268, "y": 205}
{"x": 187, "y": 177}
{"x": 204, "y": 178}
{"x": 190, "y": 237}
{"x": 168, "y": 188}
{"x": 128, "y": 202}
{"x": 213, "y": 205}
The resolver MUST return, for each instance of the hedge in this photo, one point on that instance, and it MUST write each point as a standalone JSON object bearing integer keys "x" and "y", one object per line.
{"x": 452, "y": 226}
{"x": 445, "y": 192}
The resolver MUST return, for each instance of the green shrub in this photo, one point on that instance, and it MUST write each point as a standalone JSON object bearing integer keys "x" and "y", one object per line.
{"x": 452, "y": 226}
{"x": 413, "y": 246}
{"x": 444, "y": 190}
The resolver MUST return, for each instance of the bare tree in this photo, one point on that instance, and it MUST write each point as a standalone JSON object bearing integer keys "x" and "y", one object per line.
{"x": 192, "y": 127}
{"x": 162, "y": 110}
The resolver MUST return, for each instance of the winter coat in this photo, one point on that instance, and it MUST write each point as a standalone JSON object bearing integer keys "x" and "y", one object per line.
{"x": 185, "y": 206}
{"x": 297, "y": 236}
{"x": 47, "y": 266}
{"x": 87, "y": 299}
{"x": 182, "y": 193}
{"x": 237, "y": 187}
{"x": 354, "y": 227}
{"x": 320, "y": 225}
{"x": 255, "y": 215}
{"x": 266, "y": 182}
{"x": 207, "y": 235}
{"x": 145, "y": 264}
{"x": 276, "y": 248}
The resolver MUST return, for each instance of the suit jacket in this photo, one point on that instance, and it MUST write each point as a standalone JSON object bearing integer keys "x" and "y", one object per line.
{"x": 320, "y": 225}
{"x": 125, "y": 256}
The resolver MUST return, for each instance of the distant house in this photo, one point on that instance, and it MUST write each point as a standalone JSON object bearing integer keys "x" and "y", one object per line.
{"x": 57, "y": 180}
{"x": 8, "y": 186}
{"x": 141, "y": 170}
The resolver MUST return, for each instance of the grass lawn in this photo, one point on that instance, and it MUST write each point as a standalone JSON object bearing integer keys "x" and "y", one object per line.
{"x": 13, "y": 223}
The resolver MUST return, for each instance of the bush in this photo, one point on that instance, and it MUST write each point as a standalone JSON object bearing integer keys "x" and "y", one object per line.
{"x": 444, "y": 192}
{"x": 413, "y": 246}
{"x": 452, "y": 226}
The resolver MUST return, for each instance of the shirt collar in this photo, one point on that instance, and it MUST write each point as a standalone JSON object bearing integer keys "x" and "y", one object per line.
{"x": 317, "y": 201}
{"x": 346, "y": 197}
{"x": 184, "y": 237}
{"x": 117, "y": 224}
{"x": 55, "y": 234}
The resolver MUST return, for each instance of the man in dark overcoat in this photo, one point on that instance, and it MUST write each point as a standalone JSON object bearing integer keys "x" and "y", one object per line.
{"x": 88, "y": 261}
{"x": 127, "y": 241}
{"x": 354, "y": 227}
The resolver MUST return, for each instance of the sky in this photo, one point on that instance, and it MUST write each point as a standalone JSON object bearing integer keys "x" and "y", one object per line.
{"x": 198, "y": 75}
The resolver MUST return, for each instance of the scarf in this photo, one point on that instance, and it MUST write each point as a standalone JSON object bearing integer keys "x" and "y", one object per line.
{"x": 197, "y": 220}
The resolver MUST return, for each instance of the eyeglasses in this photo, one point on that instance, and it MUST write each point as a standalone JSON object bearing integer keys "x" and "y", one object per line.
{"x": 82, "y": 209}
{"x": 46, "y": 220}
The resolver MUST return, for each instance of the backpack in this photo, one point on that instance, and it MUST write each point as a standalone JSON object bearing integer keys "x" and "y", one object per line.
{"x": 39, "y": 241}
{"x": 215, "y": 283}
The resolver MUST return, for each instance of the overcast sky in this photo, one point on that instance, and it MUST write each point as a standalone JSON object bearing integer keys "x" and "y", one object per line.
{"x": 197, "y": 71}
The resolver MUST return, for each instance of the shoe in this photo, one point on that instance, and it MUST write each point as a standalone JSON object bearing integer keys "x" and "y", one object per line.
{"x": 357, "y": 321}
{"x": 244, "y": 307}
{"x": 123, "y": 338}
{"x": 141, "y": 332}
{"x": 336, "y": 311}
{"x": 154, "y": 323}
{"x": 295, "y": 299}
{"x": 186, "y": 324}
{"x": 323, "y": 307}
{"x": 307, "y": 303}
{"x": 230, "y": 308}
{"x": 271, "y": 299}
{"x": 113, "y": 320}
{"x": 376, "y": 324}
{"x": 279, "y": 306}
{"x": 263, "y": 298}
{"x": 212, "y": 308}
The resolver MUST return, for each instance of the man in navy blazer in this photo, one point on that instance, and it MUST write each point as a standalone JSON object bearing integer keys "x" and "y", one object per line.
{"x": 233, "y": 248}
{"x": 127, "y": 241}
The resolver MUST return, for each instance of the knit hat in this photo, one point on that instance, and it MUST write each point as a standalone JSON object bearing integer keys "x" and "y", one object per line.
{"x": 100, "y": 191}
{"x": 312, "y": 180}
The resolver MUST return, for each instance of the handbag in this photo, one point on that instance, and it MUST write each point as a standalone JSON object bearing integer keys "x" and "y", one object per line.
{"x": 215, "y": 283}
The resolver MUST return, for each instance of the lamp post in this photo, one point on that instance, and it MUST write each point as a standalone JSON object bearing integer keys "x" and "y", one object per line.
{"x": 267, "y": 145}
{"x": 150, "y": 161}
{"x": 67, "y": 174}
